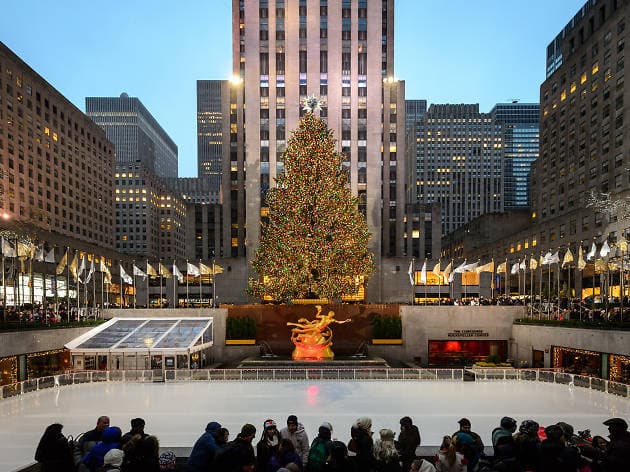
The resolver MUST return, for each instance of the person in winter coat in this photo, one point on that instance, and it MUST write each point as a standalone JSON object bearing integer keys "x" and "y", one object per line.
{"x": 268, "y": 445}
{"x": 142, "y": 454}
{"x": 109, "y": 440}
{"x": 286, "y": 455}
{"x": 53, "y": 451}
{"x": 408, "y": 441}
{"x": 112, "y": 461}
{"x": 204, "y": 451}
{"x": 319, "y": 450}
{"x": 555, "y": 455}
{"x": 137, "y": 427}
{"x": 238, "y": 455}
{"x": 339, "y": 460}
{"x": 295, "y": 432}
{"x": 88, "y": 440}
{"x": 472, "y": 452}
{"x": 503, "y": 433}
{"x": 361, "y": 433}
{"x": 617, "y": 455}
{"x": 527, "y": 444}
{"x": 421, "y": 465}
{"x": 385, "y": 452}
{"x": 448, "y": 459}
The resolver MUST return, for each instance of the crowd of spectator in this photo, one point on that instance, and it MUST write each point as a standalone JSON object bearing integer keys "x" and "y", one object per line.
{"x": 525, "y": 448}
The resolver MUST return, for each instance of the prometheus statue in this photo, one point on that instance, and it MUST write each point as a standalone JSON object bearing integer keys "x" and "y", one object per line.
{"x": 313, "y": 339}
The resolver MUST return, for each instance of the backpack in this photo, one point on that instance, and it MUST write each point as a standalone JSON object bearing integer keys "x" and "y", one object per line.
{"x": 317, "y": 456}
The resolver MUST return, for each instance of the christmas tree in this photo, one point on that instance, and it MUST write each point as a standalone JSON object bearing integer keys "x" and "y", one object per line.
{"x": 315, "y": 242}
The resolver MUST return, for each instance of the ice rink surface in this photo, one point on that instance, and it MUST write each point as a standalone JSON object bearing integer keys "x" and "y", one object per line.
{"x": 177, "y": 413}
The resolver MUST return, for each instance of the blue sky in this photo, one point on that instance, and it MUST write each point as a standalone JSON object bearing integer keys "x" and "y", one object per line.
{"x": 457, "y": 51}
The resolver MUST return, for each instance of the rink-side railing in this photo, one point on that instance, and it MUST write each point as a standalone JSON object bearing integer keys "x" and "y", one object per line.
{"x": 306, "y": 374}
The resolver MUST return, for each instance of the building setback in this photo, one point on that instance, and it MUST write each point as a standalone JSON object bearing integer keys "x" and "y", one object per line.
{"x": 343, "y": 52}
{"x": 458, "y": 163}
{"x": 213, "y": 129}
{"x": 519, "y": 122}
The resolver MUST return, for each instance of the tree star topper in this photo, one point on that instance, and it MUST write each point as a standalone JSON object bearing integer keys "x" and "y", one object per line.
{"x": 312, "y": 104}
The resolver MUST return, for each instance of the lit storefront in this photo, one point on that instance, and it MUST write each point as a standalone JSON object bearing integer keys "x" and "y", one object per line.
{"x": 460, "y": 352}
{"x": 619, "y": 368}
{"x": 579, "y": 361}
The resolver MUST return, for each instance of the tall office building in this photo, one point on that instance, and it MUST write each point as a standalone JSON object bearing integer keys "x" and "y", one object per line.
{"x": 149, "y": 214}
{"x": 343, "y": 52}
{"x": 458, "y": 163}
{"x": 584, "y": 145}
{"x": 520, "y": 150}
{"x": 138, "y": 137}
{"x": 414, "y": 112}
{"x": 213, "y": 129}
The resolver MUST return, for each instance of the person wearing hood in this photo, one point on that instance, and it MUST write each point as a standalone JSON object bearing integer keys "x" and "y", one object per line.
{"x": 408, "y": 441}
{"x": 268, "y": 445}
{"x": 319, "y": 450}
{"x": 113, "y": 460}
{"x": 361, "y": 433}
{"x": 296, "y": 433}
{"x": 110, "y": 439}
{"x": 53, "y": 451}
{"x": 88, "y": 440}
{"x": 204, "y": 451}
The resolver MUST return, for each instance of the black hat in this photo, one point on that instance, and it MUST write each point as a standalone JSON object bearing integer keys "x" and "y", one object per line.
{"x": 508, "y": 422}
{"x": 554, "y": 432}
{"x": 617, "y": 422}
{"x": 137, "y": 423}
{"x": 464, "y": 421}
{"x": 292, "y": 419}
{"x": 248, "y": 430}
{"x": 405, "y": 421}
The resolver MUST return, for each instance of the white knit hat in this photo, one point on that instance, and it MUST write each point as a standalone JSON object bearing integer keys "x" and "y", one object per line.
{"x": 114, "y": 457}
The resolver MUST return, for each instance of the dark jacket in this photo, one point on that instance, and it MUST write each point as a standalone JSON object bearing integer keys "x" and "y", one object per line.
{"x": 204, "y": 451}
{"x": 109, "y": 440}
{"x": 236, "y": 454}
{"x": 556, "y": 457}
{"x": 408, "y": 441}
{"x": 618, "y": 453}
{"x": 365, "y": 460}
{"x": 265, "y": 450}
{"x": 281, "y": 459}
{"x": 141, "y": 455}
{"x": 53, "y": 452}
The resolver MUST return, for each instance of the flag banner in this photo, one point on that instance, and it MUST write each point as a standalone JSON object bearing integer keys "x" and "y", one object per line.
{"x": 40, "y": 253}
{"x": 423, "y": 273}
{"x": 623, "y": 245}
{"x": 7, "y": 249}
{"x": 523, "y": 264}
{"x": 447, "y": 272}
{"x": 81, "y": 266}
{"x": 104, "y": 268}
{"x": 137, "y": 272}
{"x": 581, "y": 262}
{"x": 592, "y": 252}
{"x": 489, "y": 267}
{"x": 90, "y": 273}
{"x": 178, "y": 274}
{"x": 73, "y": 267}
{"x": 533, "y": 263}
{"x": 25, "y": 249}
{"x": 514, "y": 269}
{"x": 192, "y": 269}
{"x": 547, "y": 258}
{"x": 217, "y": 269}
{"x": 605, "y": 250}
{"x": 567, "y": 259}
{"x": 204, "y": 269}
{"x": 502, "y": 268}
{"x": 460, "y": 269}
{"x": 600, "y": 265}
{"x": 555, "y": 258}
{"x": 151, "y": 272}
{"x": 62, "y": 264}
{"x": 471, "y": 267}
{"x": 163, "y": 271}
{"x": 126, "y": 278}
{"x": 50, "y": 256}
{"x": 436, "y": 269}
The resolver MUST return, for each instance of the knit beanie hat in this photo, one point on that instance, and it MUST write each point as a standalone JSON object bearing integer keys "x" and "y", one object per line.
{"x": 114, "y": 457}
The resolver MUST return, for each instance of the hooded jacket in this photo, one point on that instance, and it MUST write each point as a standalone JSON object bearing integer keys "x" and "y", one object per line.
{"x": 110, "y": 439}
{"x": 204, "y": 450}
{"x": 299, "y": 440}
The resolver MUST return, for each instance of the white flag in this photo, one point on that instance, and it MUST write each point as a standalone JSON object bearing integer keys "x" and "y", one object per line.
{"x": 592, "y": 252}
{"x": 178, "y": 274}
{"x": 50, "y": 257}
{"x": 81, "y": 267}
{"x": 555, "y": 259}
{"x": 192, "y": 269}
{"x": 410, "y": 273}
{"x": 605, "y": 250}
{"x": 514, "y": 269}
{"x": 7, "y": 249}
{"x": 523, "y": 265}
{"x": 423, "y": 273}
{"x": 471, "y": 267}
{"x": 90, "y": 273}
{"x": 124, "y": 276}
{"x": 39, "y": 254}
{"x": 547, "y": 259}
{"x": 460, "y": 269}
{"x": 137, "y": 272}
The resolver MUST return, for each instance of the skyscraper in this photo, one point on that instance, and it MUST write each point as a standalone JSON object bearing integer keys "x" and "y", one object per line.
{"x": 414, "y": 112}
{"x": 343, "y": 52}
{"x": 213, "y": 131}
{"x": 519, "y": 122}
{"x": 458, "y": 163}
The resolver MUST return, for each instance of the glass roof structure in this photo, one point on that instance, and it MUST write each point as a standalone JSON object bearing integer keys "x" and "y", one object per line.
{"x": 142, "y": 334}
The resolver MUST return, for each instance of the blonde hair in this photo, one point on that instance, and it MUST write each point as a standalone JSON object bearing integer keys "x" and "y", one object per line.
{"x": 385, "y": 450}
{"x": 448, "y": 449}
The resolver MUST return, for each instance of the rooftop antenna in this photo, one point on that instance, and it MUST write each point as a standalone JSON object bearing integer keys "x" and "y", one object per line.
{"x": 514, "y": 100}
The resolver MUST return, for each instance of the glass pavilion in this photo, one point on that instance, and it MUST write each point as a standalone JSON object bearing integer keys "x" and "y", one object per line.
{"x": 143, "y": 344}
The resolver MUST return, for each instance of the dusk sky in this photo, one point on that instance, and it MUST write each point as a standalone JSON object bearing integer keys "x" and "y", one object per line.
{"x": 460, "y": 51}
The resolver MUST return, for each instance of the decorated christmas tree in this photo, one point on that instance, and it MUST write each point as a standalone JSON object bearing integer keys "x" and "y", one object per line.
{"x": 315, "y": 242}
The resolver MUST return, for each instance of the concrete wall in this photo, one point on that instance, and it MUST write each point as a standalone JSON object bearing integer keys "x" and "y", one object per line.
{"x": 541, "y": 338}
{"x": 421, "y": 324}
{"x": 27, "y": 341}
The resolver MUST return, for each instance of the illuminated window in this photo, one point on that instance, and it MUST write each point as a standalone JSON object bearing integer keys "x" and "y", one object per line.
{"x": 563, "y": 96}
{"x": 573, "y": 87}
{"x": 583, "y": 78}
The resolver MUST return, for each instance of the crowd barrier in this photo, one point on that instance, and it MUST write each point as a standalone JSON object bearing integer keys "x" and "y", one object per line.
{"x": 305, "y": 374}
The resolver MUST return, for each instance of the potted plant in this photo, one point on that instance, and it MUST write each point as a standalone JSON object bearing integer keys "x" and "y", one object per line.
{"x": 386, "y": 329}
{"x": 240, "y": 330}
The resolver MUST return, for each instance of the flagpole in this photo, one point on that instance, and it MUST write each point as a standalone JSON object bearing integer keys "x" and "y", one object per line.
{"x": 531, "y": 288}
{"x": 148, "y": 278}
{"x": 569, "y": 289}
{"x": 122, "y": 296}
{"x": 4, "y": 293}
{"x": 200, "y": 293}
{"x": 558, "y": 269}
{"x": 413, "y": 281}
{"x": 134, "y": 284}
{"x": 439, "y": 284}
{"x": 187, "y": 296}
{"x": 102, "y": 282}
{"x": 160, "y": 272}
{"x": 175, "y": 298}
{"x": 214, "y": 282}
{"x": 44, "y": 303}
{"x": 94, "y": 287}
{"x": 68, "y": 282}
{"x": 507, "y": 280}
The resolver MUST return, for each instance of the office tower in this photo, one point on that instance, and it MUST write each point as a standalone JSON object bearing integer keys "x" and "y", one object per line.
{"x": 584, "y": 145}
{"x": 414, "y": 112}
{"x": 458, "y": 163}
{"x": 138, "y": 137}
{"x": 520, "y": 150}
{"x": 56, "y": 165}
{"x": 342, "y": 52}
{"x": 213, "y": 131}
{"x": 149, "y": 214}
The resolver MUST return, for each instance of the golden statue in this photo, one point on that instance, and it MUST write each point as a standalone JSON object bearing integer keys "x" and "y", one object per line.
{"x": 313, "y": 339}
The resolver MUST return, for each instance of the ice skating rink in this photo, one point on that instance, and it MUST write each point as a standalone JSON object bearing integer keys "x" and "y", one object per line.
{"x": 177, "y": 413}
